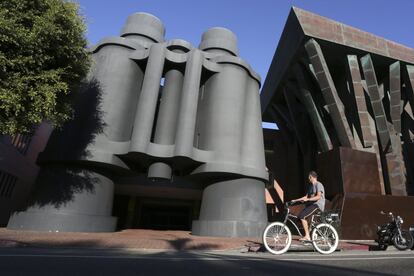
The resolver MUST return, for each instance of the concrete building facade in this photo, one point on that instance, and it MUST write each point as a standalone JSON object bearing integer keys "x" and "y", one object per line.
{"x": 159, "y": 116}
{"x": 169, "y": 136}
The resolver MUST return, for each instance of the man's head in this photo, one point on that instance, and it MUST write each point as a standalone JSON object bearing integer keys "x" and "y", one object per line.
{"x": 313, "y": 177}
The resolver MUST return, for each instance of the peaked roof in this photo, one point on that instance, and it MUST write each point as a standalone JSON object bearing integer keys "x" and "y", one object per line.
{"x": 327, "y": 29}
{"x": 302, "y": 25}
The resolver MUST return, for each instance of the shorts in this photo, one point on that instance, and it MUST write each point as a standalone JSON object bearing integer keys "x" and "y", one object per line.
{"x": 308, "y": 210}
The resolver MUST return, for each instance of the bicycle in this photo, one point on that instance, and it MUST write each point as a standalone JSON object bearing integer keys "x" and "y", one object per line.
{"x": 277, "y": 237}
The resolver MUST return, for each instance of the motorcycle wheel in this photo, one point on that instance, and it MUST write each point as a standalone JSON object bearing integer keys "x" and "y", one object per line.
{"x": 399, "y": 244}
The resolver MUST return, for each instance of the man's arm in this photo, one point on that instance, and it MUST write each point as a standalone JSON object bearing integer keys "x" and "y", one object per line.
{"x": 304, "y": 198}
{"x": 315, "y": 197}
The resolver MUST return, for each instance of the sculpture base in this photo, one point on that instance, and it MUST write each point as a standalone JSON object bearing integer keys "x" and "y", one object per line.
{"x": 234, "y": 208}
{"x": 67, "y": 201}
{"x": 228, "y": 228}
{"x": 58, "y": 222}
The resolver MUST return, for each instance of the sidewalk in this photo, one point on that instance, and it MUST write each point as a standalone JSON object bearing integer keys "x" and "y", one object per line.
{"x": 146, "y": 239}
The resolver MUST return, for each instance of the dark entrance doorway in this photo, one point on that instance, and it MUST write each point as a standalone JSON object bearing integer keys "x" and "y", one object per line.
{"x": 165, "y": 217}
{"x": 154, "y": 213}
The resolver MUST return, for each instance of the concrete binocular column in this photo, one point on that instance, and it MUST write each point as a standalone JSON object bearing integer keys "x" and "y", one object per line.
{"x": 144, "y": 117}
{"x": 118, "y": 79}
{"x": 169, "y": 109}
{"x": 89, "y": 208}
{"x": 230, "y": 209}
{"x": 186, "y": 121}
{"x": 143, "y": 27}
{"x": 166, "y": 108}
{"x": 232, "y": 129}
{"x": 219, "y": 40}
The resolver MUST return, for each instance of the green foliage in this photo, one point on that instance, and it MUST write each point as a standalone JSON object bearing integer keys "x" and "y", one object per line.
{"x": 43, "y": 58}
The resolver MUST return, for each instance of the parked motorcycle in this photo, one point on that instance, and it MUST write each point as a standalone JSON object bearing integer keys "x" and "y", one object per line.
{"x": 391, "y": 233}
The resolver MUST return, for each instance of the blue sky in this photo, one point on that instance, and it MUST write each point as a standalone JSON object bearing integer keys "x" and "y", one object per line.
{"x": 258, "y": 24}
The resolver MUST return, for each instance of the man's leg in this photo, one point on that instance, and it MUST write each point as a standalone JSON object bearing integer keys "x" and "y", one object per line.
{"x": 304, "y": 214}
{"x": 306, "y": 228}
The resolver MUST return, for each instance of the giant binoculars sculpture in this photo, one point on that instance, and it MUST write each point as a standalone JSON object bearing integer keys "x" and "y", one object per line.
{"x": 162, "y": 108}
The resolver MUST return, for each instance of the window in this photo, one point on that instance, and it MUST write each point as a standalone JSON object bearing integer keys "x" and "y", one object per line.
{"x": 7, "y": 184}
{"x": 21, "y": 142}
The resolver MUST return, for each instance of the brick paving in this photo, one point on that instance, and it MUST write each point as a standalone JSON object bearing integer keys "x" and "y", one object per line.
{"x": 142, "y": 239}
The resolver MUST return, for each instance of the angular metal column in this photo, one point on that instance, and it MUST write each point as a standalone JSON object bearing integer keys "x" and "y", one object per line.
{"x": 364, "y": 120}
{"x": 322, "y": 135}
{"x": 395, "y": 95}
{"x": 376, "y": 102}
{"x": 410, "y": 92}
{"x": 390, "y": 145}
{"x": 334, "y": 104}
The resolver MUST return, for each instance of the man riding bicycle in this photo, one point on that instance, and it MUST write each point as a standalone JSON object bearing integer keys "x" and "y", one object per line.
{"x": 314, "y": 200}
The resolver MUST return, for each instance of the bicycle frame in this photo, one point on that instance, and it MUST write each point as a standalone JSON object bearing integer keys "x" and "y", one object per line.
{"x": 277, "y": 236}
{"x": 288, "y": 217}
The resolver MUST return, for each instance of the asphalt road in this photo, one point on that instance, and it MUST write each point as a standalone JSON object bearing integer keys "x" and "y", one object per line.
{"x": 37, "y": 261}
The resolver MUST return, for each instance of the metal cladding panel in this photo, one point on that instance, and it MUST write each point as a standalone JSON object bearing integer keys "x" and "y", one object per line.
{"x": 329, "y": 93}
{"x": 363, "y": 211}
{"x": 305, "y": 95}
{"x": 358, "y": 89}
{"x": 410, "y": 92}
{"x": 317, "y": 26}
{"x": 395, "y": 95}
{"x": 376, "y": 101}
{"x": 344, "y": 170}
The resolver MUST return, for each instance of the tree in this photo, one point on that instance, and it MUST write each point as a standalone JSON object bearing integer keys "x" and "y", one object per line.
{"x": 43, "y": 59}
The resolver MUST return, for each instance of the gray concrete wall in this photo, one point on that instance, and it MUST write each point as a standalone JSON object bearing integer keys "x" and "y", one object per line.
{"x": 158, "y": 108}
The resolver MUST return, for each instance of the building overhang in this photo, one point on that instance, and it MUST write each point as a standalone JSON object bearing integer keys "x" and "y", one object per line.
{"x": 334, "y": 38}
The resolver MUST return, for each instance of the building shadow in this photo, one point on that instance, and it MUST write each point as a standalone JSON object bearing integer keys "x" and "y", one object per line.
{"x": 70, "y": 142}
{"x": 62, "y": 173}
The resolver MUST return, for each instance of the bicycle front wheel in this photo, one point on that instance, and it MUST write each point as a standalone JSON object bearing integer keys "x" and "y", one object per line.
{"x": 277, "y": 238}
{"x": 325, "y": 238}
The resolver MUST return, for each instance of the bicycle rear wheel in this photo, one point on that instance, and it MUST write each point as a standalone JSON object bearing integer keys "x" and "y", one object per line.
{"x": 325, "y": 238}
{"x": 277, "y": 238}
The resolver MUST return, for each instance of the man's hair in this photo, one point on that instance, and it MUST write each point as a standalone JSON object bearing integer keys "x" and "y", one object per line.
{"x": 313, "y": 174}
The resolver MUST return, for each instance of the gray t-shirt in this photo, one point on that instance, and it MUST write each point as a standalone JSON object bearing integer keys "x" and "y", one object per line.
{"x": 313, "y": 190}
